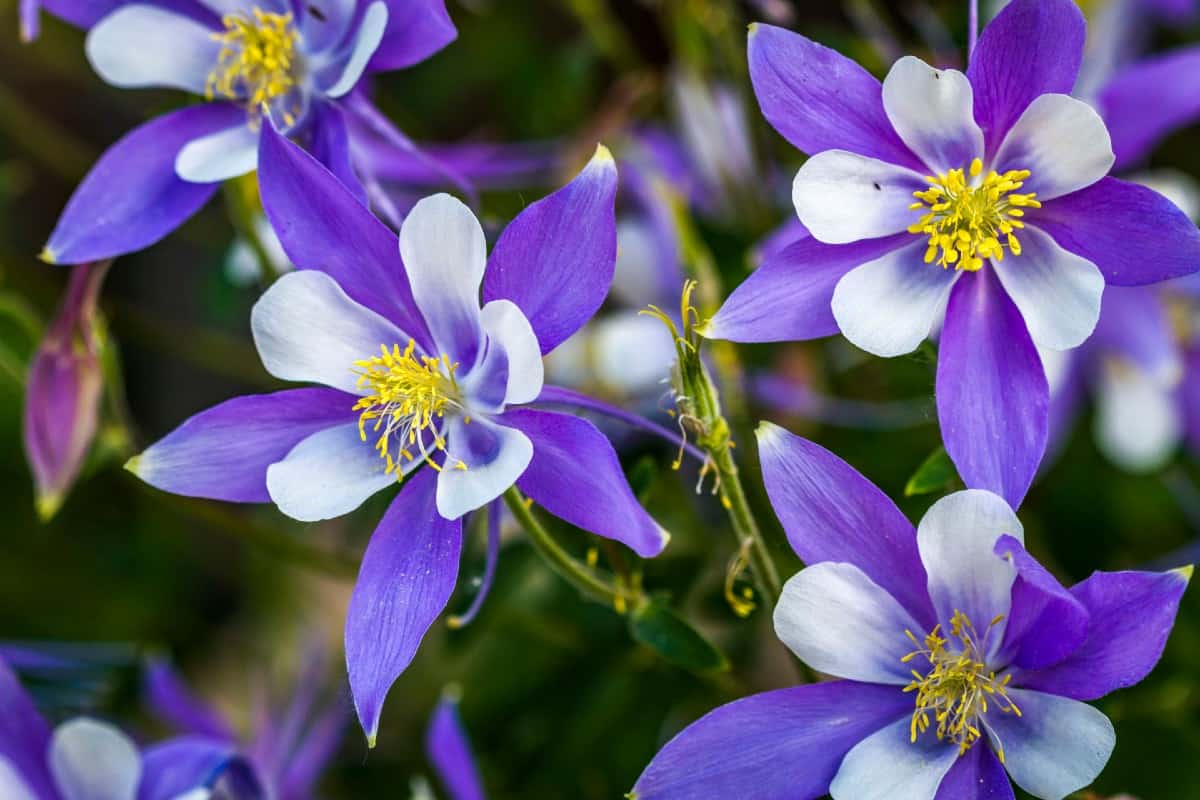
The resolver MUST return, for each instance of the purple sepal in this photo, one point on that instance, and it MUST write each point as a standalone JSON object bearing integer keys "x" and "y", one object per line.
{"x": 1047, "y": 623}
{"x": 1145, "y": 102}
{"x": 177, "y": 766}
{"x": 24, "y": 736}
{"x": 449, "y": 751}
{"x": 329, "y": 143}
{"x": 416, "y": 29}
{"x": 976, "y": 775}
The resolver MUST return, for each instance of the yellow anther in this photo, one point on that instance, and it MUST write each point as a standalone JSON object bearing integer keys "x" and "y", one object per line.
{"x": 257, "y": 61}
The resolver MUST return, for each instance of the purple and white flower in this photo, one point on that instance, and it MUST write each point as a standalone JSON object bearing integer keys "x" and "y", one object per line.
{"x": 958, "y": 656}
{"x": 412, "y": 371}
{"x": 978, "y": 202}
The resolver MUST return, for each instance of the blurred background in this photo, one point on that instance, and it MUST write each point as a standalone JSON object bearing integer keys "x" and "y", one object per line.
{"x": 559, "y": 697}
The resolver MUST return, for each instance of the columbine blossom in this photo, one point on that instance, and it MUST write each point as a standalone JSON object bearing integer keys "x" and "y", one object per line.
{"x": 980, "y": 199}
{"x": 262, "y": 64}
{"x": 958, "y": 656}
{"x": 413, "y": 373}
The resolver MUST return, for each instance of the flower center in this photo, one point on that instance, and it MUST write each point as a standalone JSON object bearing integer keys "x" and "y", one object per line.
{"x": 969, "y": 219}
{"x": 410, "y": 394}
{"x": 958, "y": 688}
{"x": 257, "y": 59}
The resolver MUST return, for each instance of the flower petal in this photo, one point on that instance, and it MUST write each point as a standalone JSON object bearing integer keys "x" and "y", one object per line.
{"x": 1057, "y": 291}
{"x": 889, "y": 766}
{"x": 407, "y": 576}
{"x": 328, "y": 474}
{"x": 1055, "y": 747}
{"x": 820, "y": 100}
{"x": 556, "y": 259}
{"x": 888, "y": 306}
{"x": 444, "y": 254}
{"x": 1047, "y": 623}
{"x": 366, "y": 41}
{"x": 840, "y": 622}
{"x": 957, "y": 539}
{"x": 177, "y": 766}
{"x": 1135, "y": 326}
{"x": 1132, "y": 614}
{"x": 1031, "y": 48}
{"x": 789, "y": 297}
{"x": 843, "y": 197}
{"x": 24, "y": 736}
{"x": 12, "y": 785}
{"x": 1133, "y": 234}
{"x": 307, "y": 329}
{"x": 1062, "y": 142}
{"x": 1146, "y": 101}
{"x": 495, "y": 457}
{"x": 830, "y": 512}
{"x": 93, "y": 761}
{"x": 329, "y": 142}
{"x": 1138, "y": 422}
{"x": 223, "y": 453}
{"x": 509, "y": 332}
{"x": 449, "y": 751}
{"x": 144, "y": 45}
{"x": 987, "y": 357}
{"x": 132, "y": 196}
{"x": 576, "y": 476}
{"x": 416, "y": 30}
{"x": 786, "y": 744}
{"x": 977, "y": 775}
{"x": 933, "y": 112}
{"x": 219, "y": 156}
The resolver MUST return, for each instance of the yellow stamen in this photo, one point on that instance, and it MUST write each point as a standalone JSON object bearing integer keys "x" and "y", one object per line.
{"x": 969, "y": 219}
{"x": 257, "y": 61}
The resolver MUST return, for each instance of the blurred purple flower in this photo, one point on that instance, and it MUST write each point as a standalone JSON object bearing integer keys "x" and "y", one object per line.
{"x": 1021, "y": 225}
{"x": 449, "y": 751}
{"x": 63, "y": 390}
{"x": 958, "y": 656}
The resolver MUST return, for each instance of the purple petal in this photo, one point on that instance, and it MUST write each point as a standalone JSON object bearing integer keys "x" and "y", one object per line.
{"x": 449, "y": 751}
{"x": 830, "y": 512}
{"x": 330, "y": 144}
{"x": 788, "y": 298}
{"x": 175, "y": 767}
{"x": 820, "y": 100}
{"x": 132, "y": 197}
{"x": 322, "y": 226}
{"x": 86, "y": 13}
{"x": 986, "y": 359}
{"x": 555, "y": 260}
{"x": 488, "y": 165}
{"x": 1135, "y": 324}
{"x": 1133, "y": 234}
{"x": 576, "y": 476}
{"x": 1145, "y": 102}
{"x": 786, "y": 744}
{"x": 407, "y": 576}
{"x": 24, "y": 736}
{"x": 1046, "y": 623}
{"x": 223, "y": 453}
{"x": 416, "y": 29}
{"x": 977, "y": 775}
{"x": 172, "y": 701}
{"x": 1132, "y": 614}
{"x": 1031, "y": 48}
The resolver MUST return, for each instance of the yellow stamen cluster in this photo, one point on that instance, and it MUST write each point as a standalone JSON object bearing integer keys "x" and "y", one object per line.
{"x": 257, "y": 59}
{"x": 958, "y": 688}
{"x": 969, "y": 219}
{"x": 410, "y": 394}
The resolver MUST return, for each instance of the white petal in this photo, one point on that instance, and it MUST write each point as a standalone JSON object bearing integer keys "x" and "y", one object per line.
{"x": 140, "y": 45}
{"x": 1057, "y": 746}
{"x": 631, "y": 353}
{"x": 12, "y": 785}
{"x": 1057, "y": 364}
{"x": 1062, "y": 142}
{"x": 888, "y": 306}
{"x": 495, "y": 456}
{"x": 1137, "y": 420}
{"x": 92, "y": 760}
{"x": 933, "y": 112}
{"x": 844, "y": 197}
{"x": 329, "y": 474}
{"x": 307, "y": 329}
{"x": 636, "y": 278}
{"x": 957, "y": 540}
{"x": 219, "y": 156}
{"x": 370, "y": 34}
{"x": 1057, "y": 292}
{"x": 838, "y": 621}
{"x": 444, "y": 254}
{"x": 888, "y": 765}
{"x": 506, "y": 326}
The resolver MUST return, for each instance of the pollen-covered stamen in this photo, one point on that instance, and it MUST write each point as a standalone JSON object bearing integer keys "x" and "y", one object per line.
{"x": 410, "y": 395}
{"x": 257, "y": 61}
{"x": 957, "y": 689}
{"x": 969, "y": 219}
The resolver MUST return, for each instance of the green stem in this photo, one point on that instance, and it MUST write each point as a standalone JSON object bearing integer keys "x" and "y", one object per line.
{"x": 733, "y": 498}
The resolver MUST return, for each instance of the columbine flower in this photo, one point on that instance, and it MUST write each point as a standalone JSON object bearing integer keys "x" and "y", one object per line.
{"x": 959, "y": 656}
{"x": 979, "y": 196}
{"x": 262, "y": 64}
{"x": 413, "y": 373}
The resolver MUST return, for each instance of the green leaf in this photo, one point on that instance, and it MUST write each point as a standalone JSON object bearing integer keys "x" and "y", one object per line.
{"x": 935, "y": 474}
{"x": 655, "y": 625}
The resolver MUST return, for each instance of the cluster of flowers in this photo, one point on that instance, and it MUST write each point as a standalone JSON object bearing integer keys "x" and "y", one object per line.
{"x": 976, "y": 205}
